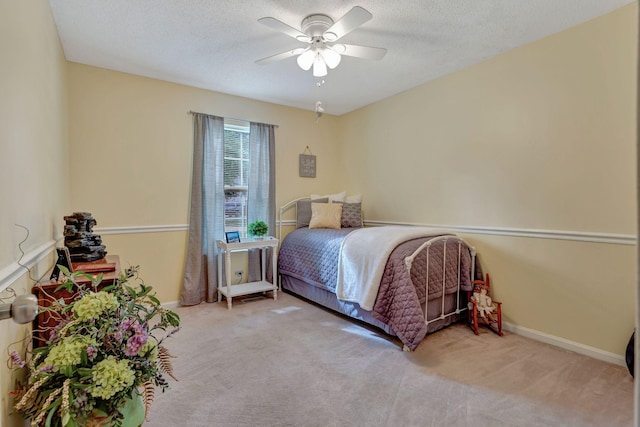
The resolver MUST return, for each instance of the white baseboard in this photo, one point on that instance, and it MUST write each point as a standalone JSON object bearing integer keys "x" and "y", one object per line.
{"x": 586, "y": 350}
{"x": 171, "y": 304}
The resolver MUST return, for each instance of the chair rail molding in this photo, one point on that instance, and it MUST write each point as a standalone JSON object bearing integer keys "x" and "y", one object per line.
{"x": 134, "y": 229}
{"x": 578, "y": 236}
{"x": 15, "y": 270}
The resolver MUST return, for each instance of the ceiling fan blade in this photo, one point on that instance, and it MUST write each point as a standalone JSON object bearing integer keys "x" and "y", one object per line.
{"x": 364, "y": 52}
{"x": 349, "y": 22}
{"x": 279, "y": 56}
{"x": 277, "y": 25}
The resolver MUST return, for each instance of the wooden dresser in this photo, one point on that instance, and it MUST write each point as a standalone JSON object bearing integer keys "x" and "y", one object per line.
{"x": 47, "y": 294}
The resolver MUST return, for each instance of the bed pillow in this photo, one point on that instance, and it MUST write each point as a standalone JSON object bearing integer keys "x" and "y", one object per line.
{"x": 303, "y": 211}
{"x": 356, "y": 198}
{"x": 339, "y": 197}
{"x": 325, "y": 215}
{"x": 351, "y": 215}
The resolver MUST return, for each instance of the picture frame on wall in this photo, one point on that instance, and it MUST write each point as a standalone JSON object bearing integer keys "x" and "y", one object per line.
{"x": 232, "y": 236}
{"x": 307, "y": 165}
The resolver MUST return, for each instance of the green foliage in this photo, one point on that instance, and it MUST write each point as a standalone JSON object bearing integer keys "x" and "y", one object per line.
{"x": 258, "y": 228}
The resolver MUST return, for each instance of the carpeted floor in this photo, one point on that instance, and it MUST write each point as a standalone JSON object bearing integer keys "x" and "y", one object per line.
{"x": 291, "y": 363}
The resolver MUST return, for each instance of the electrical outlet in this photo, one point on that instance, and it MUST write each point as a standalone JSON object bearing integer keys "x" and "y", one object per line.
{"x": 238, "y": 274}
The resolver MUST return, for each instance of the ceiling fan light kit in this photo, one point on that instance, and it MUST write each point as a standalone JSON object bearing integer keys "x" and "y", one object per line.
{"x": 321, "y": 33}
{"x": 319, "y": 67}
{"x": 331, "y": 57}
{"x": 306, "y": 59}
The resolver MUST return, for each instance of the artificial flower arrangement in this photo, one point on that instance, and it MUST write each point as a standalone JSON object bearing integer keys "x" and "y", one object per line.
{"x": 105, "y": 352}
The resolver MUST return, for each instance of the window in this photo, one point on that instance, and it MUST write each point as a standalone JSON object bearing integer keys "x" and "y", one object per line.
{"x": 236, "y": 175}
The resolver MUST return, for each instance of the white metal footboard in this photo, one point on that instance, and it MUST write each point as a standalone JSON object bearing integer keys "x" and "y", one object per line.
{"x": 448, "y": 240}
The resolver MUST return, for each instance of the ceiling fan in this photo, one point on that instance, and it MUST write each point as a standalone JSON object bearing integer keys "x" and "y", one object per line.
{"x": 322, "y": 35}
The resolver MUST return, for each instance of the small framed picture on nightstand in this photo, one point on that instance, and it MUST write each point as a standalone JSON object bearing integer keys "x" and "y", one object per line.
{"x": 64, "y": 259}
{"x": 232, "y": 236}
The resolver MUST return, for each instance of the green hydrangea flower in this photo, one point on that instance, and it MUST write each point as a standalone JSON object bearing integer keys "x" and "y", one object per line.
{"x": 151, "y": 347}
{"x": 110, "y": 376}
{"x": 92, "y": 306}
{"x": 68, "y": 352}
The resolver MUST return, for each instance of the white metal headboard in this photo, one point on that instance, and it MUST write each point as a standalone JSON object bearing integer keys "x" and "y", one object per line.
{"x": 284, "y": 208}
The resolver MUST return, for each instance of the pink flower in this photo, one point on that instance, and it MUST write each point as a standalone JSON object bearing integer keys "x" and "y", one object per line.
{"x": 91, "y": 352}
{"x": 16, "y": 359}
{"x": 137, "y": 339}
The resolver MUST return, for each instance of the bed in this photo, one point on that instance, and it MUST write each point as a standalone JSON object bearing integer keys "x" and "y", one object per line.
{"x": 378, "y": 275}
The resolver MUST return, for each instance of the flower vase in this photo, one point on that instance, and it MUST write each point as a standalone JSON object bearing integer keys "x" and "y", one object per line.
{"x": 133, "y": 412}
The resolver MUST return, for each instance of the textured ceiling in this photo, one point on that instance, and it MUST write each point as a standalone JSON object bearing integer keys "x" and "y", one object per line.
{"x": 212, "y": 44}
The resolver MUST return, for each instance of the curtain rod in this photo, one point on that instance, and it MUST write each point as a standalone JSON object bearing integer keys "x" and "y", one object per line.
{"x": 231, "y": 118}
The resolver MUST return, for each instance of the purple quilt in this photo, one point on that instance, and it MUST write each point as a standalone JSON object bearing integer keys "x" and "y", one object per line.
{"x": 312, "y": 255}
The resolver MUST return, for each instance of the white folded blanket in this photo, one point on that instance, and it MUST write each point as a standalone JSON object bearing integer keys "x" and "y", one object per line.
{"x": 363, "y": 256}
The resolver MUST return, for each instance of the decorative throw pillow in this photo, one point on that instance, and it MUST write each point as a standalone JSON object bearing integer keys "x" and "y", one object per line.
{"x": 351, "y": 215}
{"x": 325, "y": 215}
{"x": 303, "y": 211}
{"x": 338, "y": 197}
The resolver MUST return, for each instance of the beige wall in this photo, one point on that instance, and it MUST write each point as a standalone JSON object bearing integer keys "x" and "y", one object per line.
{"x": 540, "y": 138}
{"x": 131, "y": 148}
{"x": 33, "y": 127}
{"x": 33, "y": 156}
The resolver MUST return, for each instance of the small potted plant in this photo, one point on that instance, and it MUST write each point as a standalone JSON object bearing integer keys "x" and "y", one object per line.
{"x": 258, "y": 229}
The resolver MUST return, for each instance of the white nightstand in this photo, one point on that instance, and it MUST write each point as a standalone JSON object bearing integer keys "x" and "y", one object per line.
{"x": 225, "y": 288}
